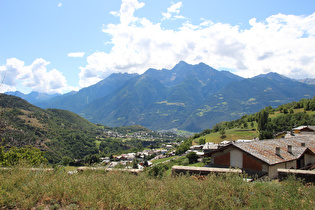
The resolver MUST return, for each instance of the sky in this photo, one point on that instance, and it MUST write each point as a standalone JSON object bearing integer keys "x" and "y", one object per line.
{"x": 57, "y": 46}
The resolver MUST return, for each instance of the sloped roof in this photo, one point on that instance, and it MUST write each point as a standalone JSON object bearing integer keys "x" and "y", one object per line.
{"x": 303, "y": 127}
{"x": 210, "y": 145}
{"x": 265, "y": 150}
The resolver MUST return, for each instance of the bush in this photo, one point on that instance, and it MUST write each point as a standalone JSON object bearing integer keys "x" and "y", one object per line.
{"x": 28, "y": 154}
{"x": 157, "y": 170}
{"x": 192, "y": 157}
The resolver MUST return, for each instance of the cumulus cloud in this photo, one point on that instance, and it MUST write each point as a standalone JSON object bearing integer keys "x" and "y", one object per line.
{"x": 59, "y": 5}
{"x": 174, "y": 9}
{"x": 34, "y": 76}
{"x": 76, "y": 54}
{"x": 282, "y": 43}
{"x": 127, "y": 8}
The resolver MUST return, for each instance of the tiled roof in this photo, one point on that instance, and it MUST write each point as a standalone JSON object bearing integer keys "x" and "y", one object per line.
{"x": 209, "y": 146}
{"x": 304, "y": 126}
{"x": 265, "y": 150}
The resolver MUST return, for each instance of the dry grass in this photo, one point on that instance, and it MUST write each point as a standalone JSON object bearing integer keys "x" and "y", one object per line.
{"x": 33, "y": 121}
{"x": 118, "y": 190}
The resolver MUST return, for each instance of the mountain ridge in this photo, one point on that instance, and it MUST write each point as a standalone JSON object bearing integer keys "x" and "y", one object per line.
{"x": 187, "y": 97}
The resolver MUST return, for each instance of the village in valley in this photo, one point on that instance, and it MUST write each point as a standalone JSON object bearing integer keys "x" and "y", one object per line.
{"x": 271, "y": 158}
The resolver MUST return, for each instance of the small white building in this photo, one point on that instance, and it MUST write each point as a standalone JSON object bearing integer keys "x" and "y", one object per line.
{"x": 196, "y": 147}
{"x": 169, "y": 146}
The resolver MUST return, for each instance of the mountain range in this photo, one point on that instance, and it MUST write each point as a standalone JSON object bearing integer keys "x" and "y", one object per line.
{"x": 187, "y": 97}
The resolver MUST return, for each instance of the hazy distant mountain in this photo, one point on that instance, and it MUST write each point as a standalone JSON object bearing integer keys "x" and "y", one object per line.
{"x": 76, "y": 101}
{"x": 33, "y": 96}
{"x": 307, "y": 81}
{"x": 188, "y": 97}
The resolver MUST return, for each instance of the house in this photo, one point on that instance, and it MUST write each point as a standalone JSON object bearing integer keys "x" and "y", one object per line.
{"x": 209, "y": 147}
{"x": 304, "y": 130}
{"x": 169, "y": 146}
{"x": 196, "y": 147}
{"x": 266, "y": 156}
{"x": 280, "y": 135}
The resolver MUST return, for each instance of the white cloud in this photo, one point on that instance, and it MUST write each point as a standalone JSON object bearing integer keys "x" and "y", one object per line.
{"x": 127, "y": 8}
{"x": 282, "y": 43}
{"x": 59, "y": 5}
{"x": 34, "y": 76}
{"x": 174, "y": 9}
{"x": 76, "y": 54}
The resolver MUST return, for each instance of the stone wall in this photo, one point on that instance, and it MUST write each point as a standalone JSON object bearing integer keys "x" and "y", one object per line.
{"x": 202, "y": 170}
{"x": 307, "y": 176}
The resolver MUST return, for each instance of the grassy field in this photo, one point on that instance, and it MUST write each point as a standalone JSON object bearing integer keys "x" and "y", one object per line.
{"x": 164, "y": 159}
{"x": 276, "y": 114}
{"x": 230, "y": 135}
{"x": 97, "y": 144}
{"x": 118, "y": 190}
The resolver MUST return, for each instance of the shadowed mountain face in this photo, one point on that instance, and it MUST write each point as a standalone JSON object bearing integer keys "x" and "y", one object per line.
{"x": 188, "y": 97}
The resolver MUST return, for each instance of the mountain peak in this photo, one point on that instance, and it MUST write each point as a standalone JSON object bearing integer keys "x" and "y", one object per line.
{"x": 181, "y": 64}
{"x": 273, "y": 76}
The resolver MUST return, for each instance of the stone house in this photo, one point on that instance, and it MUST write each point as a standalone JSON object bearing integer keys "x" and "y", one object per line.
{"x": 266, "y": 156}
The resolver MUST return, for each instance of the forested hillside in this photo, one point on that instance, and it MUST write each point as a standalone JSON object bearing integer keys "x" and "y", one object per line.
{"x": 62, "y": 133}
{"x": 264, "y": 124}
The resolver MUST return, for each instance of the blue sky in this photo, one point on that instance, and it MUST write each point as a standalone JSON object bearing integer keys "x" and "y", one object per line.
{"x": 59, "y": 46}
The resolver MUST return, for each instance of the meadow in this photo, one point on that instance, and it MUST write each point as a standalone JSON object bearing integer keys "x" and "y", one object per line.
{"x": 20, "y": 188}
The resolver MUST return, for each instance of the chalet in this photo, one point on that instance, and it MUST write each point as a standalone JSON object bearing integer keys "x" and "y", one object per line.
{"x": 266, "y": 156}
{"x": 304, "y": 130}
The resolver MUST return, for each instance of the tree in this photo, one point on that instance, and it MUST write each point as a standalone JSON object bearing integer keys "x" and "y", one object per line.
{"x": 245, "y": 125}
{"x": 145, "y": 164}
{"x": 222, "y": 132}
{"x": 111, "y": 157}
{"x": 312, "y": 105}
{"x": 1, "y": 154}
{"x": 183, "y": 147}
{"x": 192, "y": 157}
{"x": 90, "y": 159}
{"x": 206, "y": 160}
{"x": 135, "y": 163}
{"x": 66, "y": 160}
{"x": 306, "y": 105}
{"x": 202, "y": 141}
{"x": 157, "y": 170}
{"x": 265, "y": 135}
{"x": 262, "y": 119}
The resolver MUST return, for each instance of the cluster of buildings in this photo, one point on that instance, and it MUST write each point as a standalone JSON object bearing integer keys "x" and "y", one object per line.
{"x": 136, "y": 135}
{"x": 295, "y": 150}
{"x": 126, "y": 159}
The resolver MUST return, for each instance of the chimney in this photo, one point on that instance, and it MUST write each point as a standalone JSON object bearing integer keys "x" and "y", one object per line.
{"x": 290, "y": 149}
{"x": 278, "y": 151}
{"x": 303, "y": 144}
